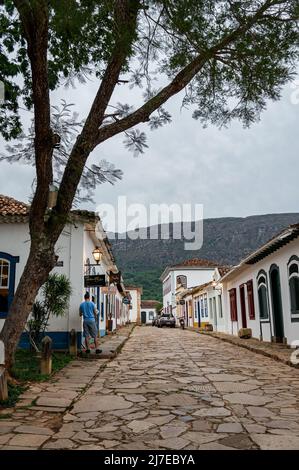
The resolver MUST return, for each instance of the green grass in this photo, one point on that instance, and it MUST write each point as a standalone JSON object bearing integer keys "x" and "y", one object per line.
{"x": 26, "y": 369}
{"x": 14, "y": 391}
{"x": 26, "y": 366}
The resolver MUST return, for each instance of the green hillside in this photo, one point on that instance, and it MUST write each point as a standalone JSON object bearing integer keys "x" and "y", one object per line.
{"x": 225, "y": 240}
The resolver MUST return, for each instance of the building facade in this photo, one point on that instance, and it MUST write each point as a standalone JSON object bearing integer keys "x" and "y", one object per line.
{"x": 201, "y": 306}
{"x": 262, "y": 292}
{"x": 187, "y": 274}
{"x": 135, "y": 306}
{"x": 74, "y": 250}
{"x": 148, "y": 311}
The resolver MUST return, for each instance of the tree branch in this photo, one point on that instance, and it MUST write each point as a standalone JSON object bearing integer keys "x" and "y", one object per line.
{"x": 125, "y": 18}
{"x": 180, "y": 81}
{"x": 92, "y": 135}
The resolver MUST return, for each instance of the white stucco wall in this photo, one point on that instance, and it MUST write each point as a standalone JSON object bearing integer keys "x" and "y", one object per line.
{"x": 148, "y": 311}
{"x": 195, "y": 277}
{"x": 123, "y": 318}
{"x": 102, "y": 268}
{"x": 133, "y": 310}
{"x": 280, "y": 258}
{"x": 168, "y": 297}
{"x": 14, "y": 240}
{"x": 216, "y": 316}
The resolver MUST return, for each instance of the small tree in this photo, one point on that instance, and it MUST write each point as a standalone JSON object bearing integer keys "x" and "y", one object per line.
{"x": 35, "y": 324}
{"x": 56, "y": 293}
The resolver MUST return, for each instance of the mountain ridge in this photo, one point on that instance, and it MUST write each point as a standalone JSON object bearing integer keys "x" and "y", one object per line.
{"x": 226, "y": 240}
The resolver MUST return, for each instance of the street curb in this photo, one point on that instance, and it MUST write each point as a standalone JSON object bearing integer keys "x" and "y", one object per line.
{"x": 111, "y": 355}
{"x": 251, "y": 348}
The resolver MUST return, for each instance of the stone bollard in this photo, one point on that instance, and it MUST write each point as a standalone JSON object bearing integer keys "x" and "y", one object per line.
{"x": 245, "y": 333}
{"x": 46, "y": 357}
{"x": 3, "y": 374}
{"x": 209, "y": 327}
{"x": 73, "y": 343}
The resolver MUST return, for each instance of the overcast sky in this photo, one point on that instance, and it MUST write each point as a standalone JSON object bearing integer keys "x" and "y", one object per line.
{"x": 232, "y": 172}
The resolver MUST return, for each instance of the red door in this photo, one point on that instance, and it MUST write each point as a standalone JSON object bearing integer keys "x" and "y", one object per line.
{"x": 243, "y": 306}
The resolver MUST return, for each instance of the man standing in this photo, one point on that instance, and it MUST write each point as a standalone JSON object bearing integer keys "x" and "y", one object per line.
{"x": 88, "y": 310}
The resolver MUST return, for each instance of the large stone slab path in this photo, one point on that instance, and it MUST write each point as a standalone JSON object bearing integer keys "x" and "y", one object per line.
{"x": 174, "y": 389}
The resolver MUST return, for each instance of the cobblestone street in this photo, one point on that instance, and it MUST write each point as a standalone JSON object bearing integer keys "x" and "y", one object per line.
{"x": 175, "y": 389}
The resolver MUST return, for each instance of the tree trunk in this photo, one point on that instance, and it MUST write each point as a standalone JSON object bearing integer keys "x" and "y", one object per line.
{"x": 40, "y": 262}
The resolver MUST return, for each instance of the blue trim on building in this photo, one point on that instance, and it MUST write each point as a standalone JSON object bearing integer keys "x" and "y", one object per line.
{"x": 60, "y": 340}
{"x": 102, "y": 333}
{"x": 13, "y": 260}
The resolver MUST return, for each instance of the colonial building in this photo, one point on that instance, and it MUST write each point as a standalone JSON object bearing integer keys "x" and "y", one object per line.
{"x": 262, "y": 292}
{"x": 202, "y": 305}
{"x": 148, "y": 311}
{"x": 184, "y": 305}
{"x": 135, "y": 305}
{"x": 187, "y": 274}
{"x": 75, "y": 249}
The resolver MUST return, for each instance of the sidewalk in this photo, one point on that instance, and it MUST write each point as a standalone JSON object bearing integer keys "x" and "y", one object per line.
{"x": 110, "y": 344}
{"x": 39, "y": 412}
{"x": 278, "y": 352}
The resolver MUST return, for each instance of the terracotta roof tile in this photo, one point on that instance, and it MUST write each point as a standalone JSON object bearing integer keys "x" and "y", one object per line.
{"x": 12, "y": 209}
{"x": 224, "y": 269}
{"x": 205, "y": 263}
{"x": 10, "y": 206}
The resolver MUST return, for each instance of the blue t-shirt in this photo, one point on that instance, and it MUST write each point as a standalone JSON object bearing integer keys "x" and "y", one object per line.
{"x": 87, "y": 309}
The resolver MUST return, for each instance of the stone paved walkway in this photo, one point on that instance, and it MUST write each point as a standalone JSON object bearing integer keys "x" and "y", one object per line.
{"x": 174, "y": 389}
{"x": 39, "y": 411}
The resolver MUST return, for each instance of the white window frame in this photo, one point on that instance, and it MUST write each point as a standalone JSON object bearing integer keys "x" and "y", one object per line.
{"x": 263, "y": 284}
{"x": 292, "y": 260}
{"x": 2, "y": 262}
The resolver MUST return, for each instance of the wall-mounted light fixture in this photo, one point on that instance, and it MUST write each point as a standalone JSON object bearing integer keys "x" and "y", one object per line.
{"x": 97, "y": 254}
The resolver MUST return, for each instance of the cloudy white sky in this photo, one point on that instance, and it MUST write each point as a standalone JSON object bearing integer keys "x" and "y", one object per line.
{"x": 232, "y": 172}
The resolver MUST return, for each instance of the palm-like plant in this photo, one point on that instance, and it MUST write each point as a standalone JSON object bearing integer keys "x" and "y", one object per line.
{"x": 56, "y": 293}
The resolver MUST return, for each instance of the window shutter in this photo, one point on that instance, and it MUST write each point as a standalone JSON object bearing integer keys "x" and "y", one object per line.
{"x": 233, "y": 305}
{"x": 250, "y": 300}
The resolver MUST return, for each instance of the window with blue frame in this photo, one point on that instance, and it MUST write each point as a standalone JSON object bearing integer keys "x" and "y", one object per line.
{"x": 7, "y": 281}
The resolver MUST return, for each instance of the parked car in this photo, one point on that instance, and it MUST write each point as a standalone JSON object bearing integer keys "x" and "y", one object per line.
{"x": 166, "y": 320}
{"x": 155, "y": 321}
